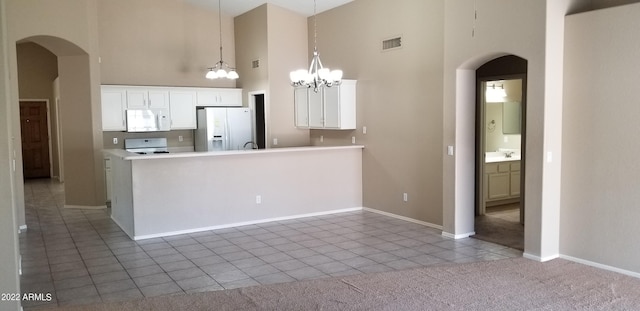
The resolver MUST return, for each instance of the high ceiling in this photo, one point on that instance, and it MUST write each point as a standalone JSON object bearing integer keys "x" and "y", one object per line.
{"x": 237, "y": 7}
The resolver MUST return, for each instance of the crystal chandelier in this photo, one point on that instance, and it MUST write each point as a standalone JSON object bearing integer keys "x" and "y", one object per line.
{"x": 317, "y": 75}
{"x": 221, "y": 69}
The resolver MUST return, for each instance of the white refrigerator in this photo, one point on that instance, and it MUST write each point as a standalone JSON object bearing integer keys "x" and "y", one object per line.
{"x": 222, "y": 128}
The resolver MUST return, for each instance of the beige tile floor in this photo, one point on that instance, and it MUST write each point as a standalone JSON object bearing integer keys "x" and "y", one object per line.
{"x": 82, "y": 256}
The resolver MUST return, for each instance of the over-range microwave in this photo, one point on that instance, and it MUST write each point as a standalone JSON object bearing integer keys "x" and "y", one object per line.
{"x": 148, "y": 120}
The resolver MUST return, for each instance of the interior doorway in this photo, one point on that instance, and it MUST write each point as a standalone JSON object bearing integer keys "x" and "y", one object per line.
{"x": 34, "y": 129}
{"x": 500, "y": 151}
{"x": 258, "y": 108}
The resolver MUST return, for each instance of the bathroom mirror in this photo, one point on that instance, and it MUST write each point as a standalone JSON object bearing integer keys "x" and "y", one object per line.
{"x": 511, "y": 116}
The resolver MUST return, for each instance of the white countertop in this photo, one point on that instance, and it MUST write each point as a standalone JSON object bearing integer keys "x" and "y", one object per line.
{"x": 125, "y": 155}
{"x": 501, "y": 159}
{"x": 501, "y": 156}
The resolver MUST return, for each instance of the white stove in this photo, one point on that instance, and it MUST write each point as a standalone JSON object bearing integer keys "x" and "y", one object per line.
{"x": 146, "y": 145}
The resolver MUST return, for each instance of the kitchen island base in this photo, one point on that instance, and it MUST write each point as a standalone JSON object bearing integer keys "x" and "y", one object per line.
{"x": 156, "y": 196}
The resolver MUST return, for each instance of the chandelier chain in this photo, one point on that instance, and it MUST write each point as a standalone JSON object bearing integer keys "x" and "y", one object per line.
{"x": 220, "y": 26}
{"x": 221, "y": 69}
{"x": 315, "y": 27}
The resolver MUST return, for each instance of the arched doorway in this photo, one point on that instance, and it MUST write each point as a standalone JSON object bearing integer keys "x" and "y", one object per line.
{"x": 79, "y": 122}
{"x": 501, "y": 89}
{"x": 37, "y": 72}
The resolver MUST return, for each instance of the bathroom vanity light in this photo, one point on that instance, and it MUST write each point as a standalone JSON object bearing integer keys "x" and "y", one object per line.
{"x": 317, "y": 75}
{"x": 495, "y": 93}
{"x": 221, "y": 69}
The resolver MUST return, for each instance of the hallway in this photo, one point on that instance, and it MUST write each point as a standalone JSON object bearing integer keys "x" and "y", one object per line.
{"x": 501, "y": 225}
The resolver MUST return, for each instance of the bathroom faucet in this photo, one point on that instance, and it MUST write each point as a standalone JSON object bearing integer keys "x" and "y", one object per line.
{"x": 508, "y": 154}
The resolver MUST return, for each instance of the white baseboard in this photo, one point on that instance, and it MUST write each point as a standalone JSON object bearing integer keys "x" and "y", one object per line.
{"x": 601, "y": 266}
{"x": 538, "y": 258}
{"x": 457, "y": 236}
{"x": 85, "y": 207}
{"x": 239, "y": 224}
{"x": 415, "y": 221}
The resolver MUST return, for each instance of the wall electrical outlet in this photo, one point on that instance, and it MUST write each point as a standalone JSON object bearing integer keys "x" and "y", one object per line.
{"x": 353, "y": 140}
{"x": 258, "y": 199}
{"x": 321, "y": 138}
{"x": 275, "y": 141}
{"x": 364, "y": 130}
{"x": 405, "y": 197}
{"x": 180, "y": 138}
{"x": 115, "y": 140}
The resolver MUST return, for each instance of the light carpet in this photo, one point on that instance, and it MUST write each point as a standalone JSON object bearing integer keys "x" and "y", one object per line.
{"x": 508, "y": 284}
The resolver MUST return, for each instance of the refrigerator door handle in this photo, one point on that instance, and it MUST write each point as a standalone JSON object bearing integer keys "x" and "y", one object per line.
{"x": 226, "y": 132}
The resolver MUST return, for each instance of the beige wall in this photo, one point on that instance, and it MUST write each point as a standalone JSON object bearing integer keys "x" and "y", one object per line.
{"x": 287, "y": 49}
{"x": 252, "y": 44}
{"x": 399, "y": 99}
{"x": 277, "y": 37}
{"x": 37, "y": 69}
{"x": 68, "y": 29}
{"x": 162, "y": 42}
{"x": 470, "y": 43}
{"x": 601, "y": 4}
{"x": 600, "y": 170}
{"x": 9, "y": 279}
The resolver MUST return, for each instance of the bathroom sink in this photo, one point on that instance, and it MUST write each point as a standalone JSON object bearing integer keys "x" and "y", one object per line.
{"x": 498, "y": 156}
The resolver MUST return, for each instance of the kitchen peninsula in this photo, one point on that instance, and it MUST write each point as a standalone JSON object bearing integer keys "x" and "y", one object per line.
{"x": 176, "y": 193}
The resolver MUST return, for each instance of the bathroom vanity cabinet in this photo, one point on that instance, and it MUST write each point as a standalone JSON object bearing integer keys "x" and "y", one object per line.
{"x": 502, "y": 180}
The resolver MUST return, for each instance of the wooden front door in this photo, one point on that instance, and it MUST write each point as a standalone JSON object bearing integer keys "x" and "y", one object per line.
{"x": 35, "y": 139}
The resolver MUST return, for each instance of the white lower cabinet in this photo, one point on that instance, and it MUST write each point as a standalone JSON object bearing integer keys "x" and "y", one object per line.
{"x": 328, "y": 108}
{"x": 502, "y": 180}
{"x": 107, "y": 178}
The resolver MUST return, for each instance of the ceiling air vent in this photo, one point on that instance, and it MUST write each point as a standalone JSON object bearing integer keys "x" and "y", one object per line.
{"x": 391, "y": 44}
{"x": 255, "y": 63}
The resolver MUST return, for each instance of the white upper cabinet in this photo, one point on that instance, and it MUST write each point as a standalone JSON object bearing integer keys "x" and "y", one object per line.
{"x": 301, "y": 100}
{"x": 329, "y": 108}
{"x": 147, "y": 97}
{"x": 219, "y": 97}
{"x": 182, "y": 104}
{"x": 114, "y": 103}
{"x": 316, "y": 113}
